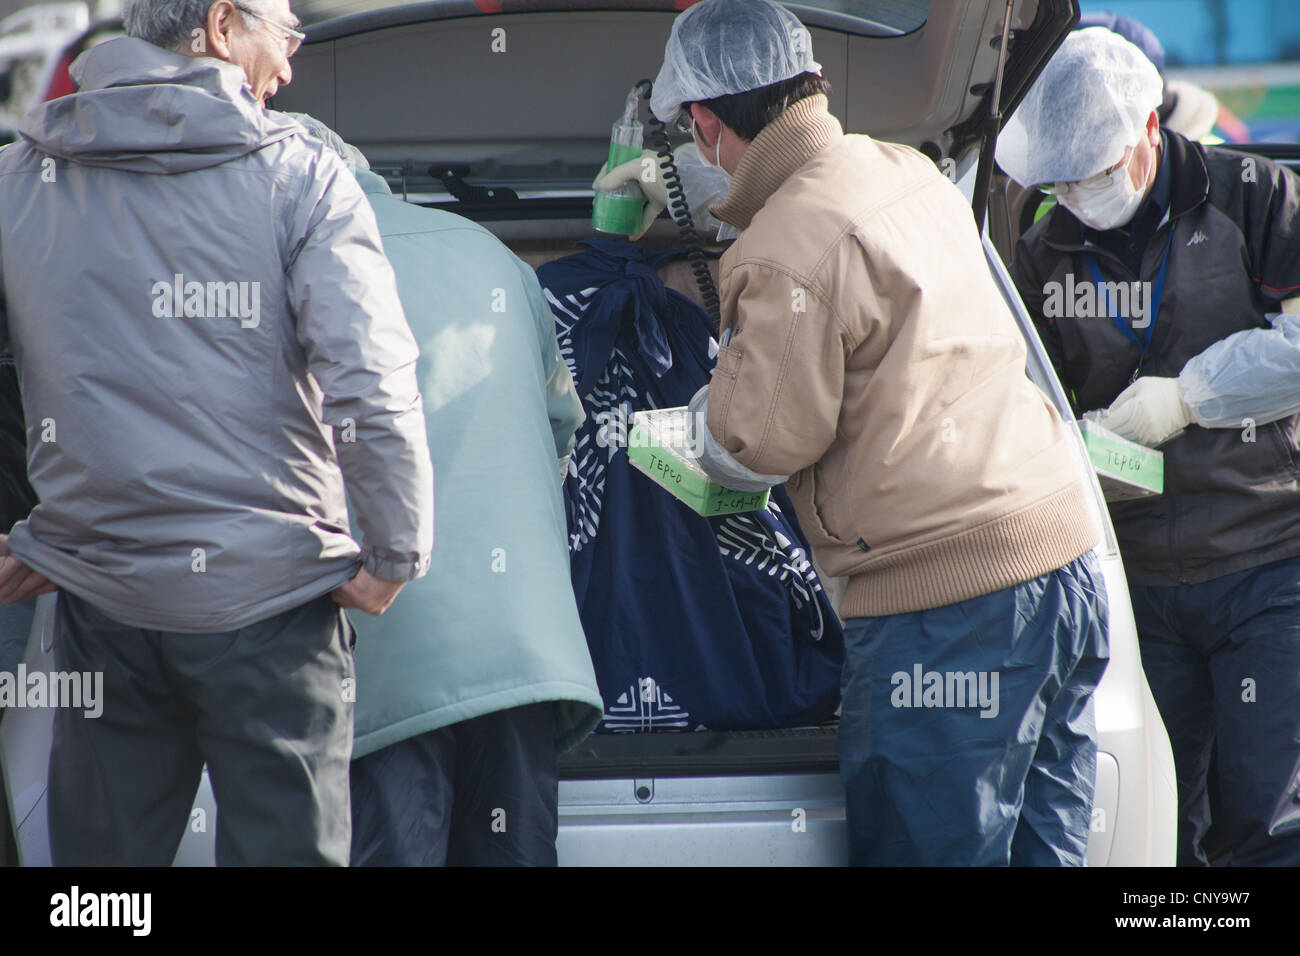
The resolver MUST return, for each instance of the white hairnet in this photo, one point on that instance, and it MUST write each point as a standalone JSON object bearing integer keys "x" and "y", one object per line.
{"x": 1088, "y": 105}
{"x": 720, "y": 47}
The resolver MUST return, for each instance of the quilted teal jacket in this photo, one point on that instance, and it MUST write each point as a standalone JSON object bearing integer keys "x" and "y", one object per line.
{"x": 494, "y": 623}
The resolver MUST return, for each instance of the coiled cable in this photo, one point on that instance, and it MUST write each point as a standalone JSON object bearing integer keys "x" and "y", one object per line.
{"x": 680, "y": 210}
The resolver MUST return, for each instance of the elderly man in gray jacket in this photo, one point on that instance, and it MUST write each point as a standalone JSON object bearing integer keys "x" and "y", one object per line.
{"x": 195, "y": 293}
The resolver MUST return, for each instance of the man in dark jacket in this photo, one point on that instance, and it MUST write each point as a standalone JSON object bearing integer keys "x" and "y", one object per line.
{"x": 1160, "y": 288}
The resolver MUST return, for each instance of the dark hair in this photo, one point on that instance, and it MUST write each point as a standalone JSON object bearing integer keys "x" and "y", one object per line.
{"x": 748, "y": 113}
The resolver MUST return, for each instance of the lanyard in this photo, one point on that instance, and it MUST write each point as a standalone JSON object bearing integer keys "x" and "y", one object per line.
{"x": 1157, "y": 294}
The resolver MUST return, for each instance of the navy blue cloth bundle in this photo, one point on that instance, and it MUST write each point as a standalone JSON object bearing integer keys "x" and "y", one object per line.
{"x": 693, "y": 623}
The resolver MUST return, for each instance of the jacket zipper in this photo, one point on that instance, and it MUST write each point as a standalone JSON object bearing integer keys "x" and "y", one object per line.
{"x": 1173, "y": 551}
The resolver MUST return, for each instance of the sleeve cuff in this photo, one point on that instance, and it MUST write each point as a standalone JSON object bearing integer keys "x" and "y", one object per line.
{"x": 394, "y": 565}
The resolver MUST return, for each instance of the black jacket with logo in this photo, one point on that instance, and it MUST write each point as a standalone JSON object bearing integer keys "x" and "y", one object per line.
{"x": 1232, "y": 495}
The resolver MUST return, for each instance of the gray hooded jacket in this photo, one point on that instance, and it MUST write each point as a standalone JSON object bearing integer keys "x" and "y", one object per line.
{"x": 195, "y": 291}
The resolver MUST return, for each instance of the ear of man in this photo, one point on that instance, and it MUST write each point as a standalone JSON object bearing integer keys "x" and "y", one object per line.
{"x": 707, "y": 124}
{"x": 218, "y": 26}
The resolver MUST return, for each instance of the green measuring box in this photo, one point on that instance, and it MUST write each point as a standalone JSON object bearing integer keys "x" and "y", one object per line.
{"x": 1125, "y": 469}
{"x": 660, "y": 446}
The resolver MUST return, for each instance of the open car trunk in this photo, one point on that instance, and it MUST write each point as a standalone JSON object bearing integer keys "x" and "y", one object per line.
{"x": 451, "y": 96}
{"x": 524, "y": 98}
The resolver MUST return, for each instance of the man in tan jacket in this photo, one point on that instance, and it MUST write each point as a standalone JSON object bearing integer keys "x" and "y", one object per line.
{"x": 868, "y": 355}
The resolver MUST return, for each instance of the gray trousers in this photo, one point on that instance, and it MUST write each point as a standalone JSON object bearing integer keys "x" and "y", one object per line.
{"x": 266, "y": 708}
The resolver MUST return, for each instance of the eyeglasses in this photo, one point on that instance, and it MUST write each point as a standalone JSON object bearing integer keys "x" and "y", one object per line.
{"x": 1090, "y": 185}
{"x": 293, "y": 39}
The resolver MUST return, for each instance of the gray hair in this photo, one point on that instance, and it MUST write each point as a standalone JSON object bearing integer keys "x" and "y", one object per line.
{"x": 170, "y": 24}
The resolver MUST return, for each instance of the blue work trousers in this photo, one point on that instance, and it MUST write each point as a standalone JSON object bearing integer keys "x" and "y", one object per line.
{"x": 967, "y": 736}
{"x": 1223, "y": 661}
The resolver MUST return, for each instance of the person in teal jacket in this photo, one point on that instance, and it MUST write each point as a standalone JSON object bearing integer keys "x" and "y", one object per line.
{"x": 478, "y": 676}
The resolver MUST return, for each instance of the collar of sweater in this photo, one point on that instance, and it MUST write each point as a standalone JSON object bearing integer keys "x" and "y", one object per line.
{"x": 782, "y": 147}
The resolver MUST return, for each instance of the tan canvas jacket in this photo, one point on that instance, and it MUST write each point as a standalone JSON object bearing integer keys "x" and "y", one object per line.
{"x": 873, "y": 359}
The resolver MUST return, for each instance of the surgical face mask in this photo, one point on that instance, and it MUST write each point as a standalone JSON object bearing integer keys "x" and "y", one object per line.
{"x": 704, "y": 184}
{"x": 1104, "y": 202}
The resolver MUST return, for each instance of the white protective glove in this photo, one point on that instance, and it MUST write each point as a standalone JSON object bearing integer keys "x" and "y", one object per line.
{"x": 647, "y": 174}
{"x": 1150, "y": 411}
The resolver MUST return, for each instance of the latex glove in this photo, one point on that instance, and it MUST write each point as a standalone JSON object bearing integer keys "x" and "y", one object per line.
{"x": 647, "y": 174}
{"x": 1150, "y": 411}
